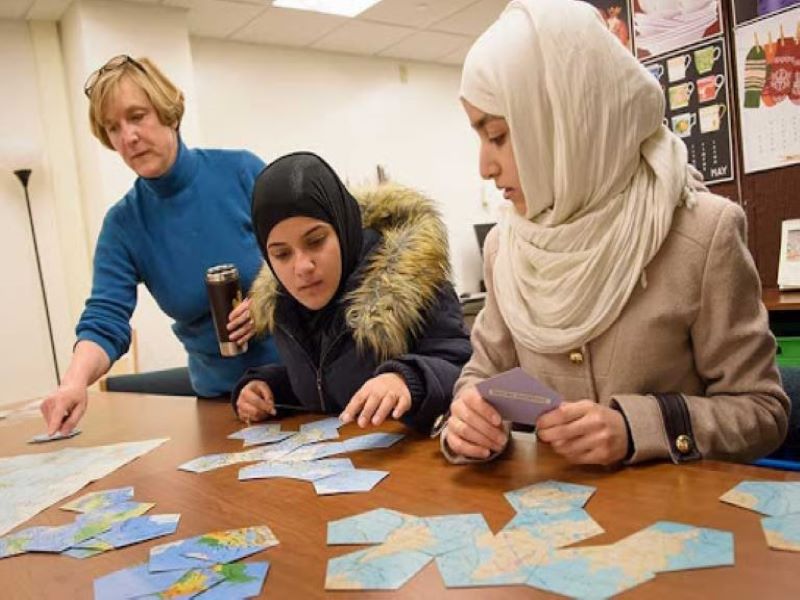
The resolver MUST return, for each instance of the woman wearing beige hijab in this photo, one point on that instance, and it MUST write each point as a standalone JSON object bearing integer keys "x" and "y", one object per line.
{"x": 615, "y": 277}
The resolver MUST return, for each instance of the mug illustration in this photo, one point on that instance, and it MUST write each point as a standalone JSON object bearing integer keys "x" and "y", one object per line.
{"x": 711, "y": 117}
{"x": 683, "y": 123}
{"x": 708, "y": 87}
{"x": 704, "y": 58}
{"x": 679, "y": 95}
{"x": 656, "y": 71}
{"x": 677, "y": 65}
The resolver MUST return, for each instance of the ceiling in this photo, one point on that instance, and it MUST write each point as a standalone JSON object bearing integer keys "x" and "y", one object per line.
{"x": 438, "y": 31}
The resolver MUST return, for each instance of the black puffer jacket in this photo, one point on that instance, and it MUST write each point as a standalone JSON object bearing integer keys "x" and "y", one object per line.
{"x": 399, "y": 314}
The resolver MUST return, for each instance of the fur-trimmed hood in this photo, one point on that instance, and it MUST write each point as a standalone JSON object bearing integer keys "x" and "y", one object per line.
{"x": 400, "y": 280}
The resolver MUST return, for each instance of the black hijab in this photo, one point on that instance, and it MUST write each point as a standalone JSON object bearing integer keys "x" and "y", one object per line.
{"x": 301, "y": 184}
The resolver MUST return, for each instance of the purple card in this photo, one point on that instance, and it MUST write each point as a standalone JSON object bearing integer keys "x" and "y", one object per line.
{"x": 518, "y": 397}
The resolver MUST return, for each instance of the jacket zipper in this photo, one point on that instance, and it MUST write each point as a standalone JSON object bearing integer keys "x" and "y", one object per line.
{"x": 319, "y": 370}
{"x": 311, "y": 362}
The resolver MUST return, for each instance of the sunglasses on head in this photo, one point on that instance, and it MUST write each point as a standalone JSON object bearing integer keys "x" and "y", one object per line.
{"x": 113, "y": 64}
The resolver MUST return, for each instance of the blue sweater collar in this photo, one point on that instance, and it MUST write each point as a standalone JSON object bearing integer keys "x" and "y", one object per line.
{"x": 178, "y": 177}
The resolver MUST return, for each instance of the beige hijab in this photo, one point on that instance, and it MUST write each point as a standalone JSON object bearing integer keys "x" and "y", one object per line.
{"x": 600, "y": 174}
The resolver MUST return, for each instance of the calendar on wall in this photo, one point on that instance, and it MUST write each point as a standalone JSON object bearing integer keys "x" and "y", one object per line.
{"x": 768, "y": 69}
{"x": 696, "y": 89}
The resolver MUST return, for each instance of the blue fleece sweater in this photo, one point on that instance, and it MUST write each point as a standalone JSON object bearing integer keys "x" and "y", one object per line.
{"x": 165, "y": 233}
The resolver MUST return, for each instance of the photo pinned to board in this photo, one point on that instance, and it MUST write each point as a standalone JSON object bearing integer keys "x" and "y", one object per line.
{"x": 768, "y": 72}
{"x": 663, "y": 26}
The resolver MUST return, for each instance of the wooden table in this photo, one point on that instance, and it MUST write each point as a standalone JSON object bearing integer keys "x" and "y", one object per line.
{"x": 774, "y": 299}
{"x": 420, "y": 483}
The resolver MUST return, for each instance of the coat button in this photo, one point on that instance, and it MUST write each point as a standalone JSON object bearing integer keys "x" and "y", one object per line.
{"x": 684, "y": 444}
{"x": 576, "y": 357}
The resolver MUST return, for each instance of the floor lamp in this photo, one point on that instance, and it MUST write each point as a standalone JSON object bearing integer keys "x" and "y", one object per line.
{"x": 24, "y": 175}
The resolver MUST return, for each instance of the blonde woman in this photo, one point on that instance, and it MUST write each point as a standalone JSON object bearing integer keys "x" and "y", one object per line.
{"x": 188, "y": 210}
{"x": 616, "y": 277}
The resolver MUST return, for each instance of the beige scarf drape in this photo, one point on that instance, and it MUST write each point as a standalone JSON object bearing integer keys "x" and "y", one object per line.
{"x": 600, "y": 174}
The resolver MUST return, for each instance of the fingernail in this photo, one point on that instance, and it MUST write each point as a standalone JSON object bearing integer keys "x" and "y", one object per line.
{"x": 485, "y": 452}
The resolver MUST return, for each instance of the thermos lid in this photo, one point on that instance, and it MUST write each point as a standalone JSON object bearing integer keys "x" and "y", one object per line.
{"x": 220, "y": 273}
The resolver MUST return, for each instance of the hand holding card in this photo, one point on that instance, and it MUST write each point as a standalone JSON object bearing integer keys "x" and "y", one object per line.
{"x": 519, "y": 397}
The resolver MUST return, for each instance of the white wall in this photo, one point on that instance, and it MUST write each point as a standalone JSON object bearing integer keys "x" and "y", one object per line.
{"x": 26, "y": 363}
{"x": 356, "y": 112}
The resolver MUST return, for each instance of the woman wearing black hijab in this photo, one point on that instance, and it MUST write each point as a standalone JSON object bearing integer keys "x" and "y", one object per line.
{"x": 356, "y": 297}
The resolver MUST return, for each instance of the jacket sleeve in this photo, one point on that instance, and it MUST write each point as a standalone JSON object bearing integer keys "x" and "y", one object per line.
{"x": 432, "y": 366}
{"x": 106, "y": 318}
{"x": 744, "y": 412}
{"x": 277, "y": 378}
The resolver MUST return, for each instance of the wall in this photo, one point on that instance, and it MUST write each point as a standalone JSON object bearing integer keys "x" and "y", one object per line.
{"x": 26, "y": 368}
{"x": 356, "y": 112}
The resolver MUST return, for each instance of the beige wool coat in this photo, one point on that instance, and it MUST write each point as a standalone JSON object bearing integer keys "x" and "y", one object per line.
{"x": 696, "y": 326}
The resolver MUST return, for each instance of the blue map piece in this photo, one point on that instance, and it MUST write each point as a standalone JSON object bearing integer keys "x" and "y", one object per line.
{"x": 99, "y": 521}
{"x": 372, "y": 527}
{"x": 782, "y": 533}
{"x": 487, "y": 561}
{"x": 371, "y": 441}
{"x": 678, "y": 547}
{"x": 133, "y": 582}
{"x": 455, "y": 531}
{"x": 313, "y": 452}
{"x": 577, "y": 576}
{"x": 133, "y": 531}
{"x": 55, "y": 539}
{"x": 241, "y": 580}
{"x": 351, "y": 481}
{"x": 374, "y": 569}
{"x": 556, "y": 527}
{"x": 303, "y": 470}
{"x": 81, "y": 553}
{"x": 16, "y": 543}
{"x": 255, "y": 431}
{"x": 212, "y": 548}
{"x": 771, "y": 498}
{"x": 327, "y": 424}
{"x": 191, "y": 583}
{"x": 269, "y": 437}
{"x": 99, "y": 500}
{"x": 548, "y": 494}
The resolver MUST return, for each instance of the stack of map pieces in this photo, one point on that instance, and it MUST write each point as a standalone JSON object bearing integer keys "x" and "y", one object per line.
{"x": 301, "y": 455}
{"x": 201, "y": 567}
{"x": 780, "y": 501}
{"x": 107, "y": 520}
{"x": 529, "y": 550}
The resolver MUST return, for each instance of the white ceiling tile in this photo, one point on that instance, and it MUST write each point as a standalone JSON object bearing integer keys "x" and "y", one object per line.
{"x": 413, "y": 13}
{"x": 216, "y": 18}
{"x": 287, "y": 27}
{"x": 14, "y": 9}
{"x": 474, "y": 19}
{"x": 362, "y": 38}
{"x": 457, "y": 57}
{"x": 425, "y": 46}
{"x": 48, "y": 10}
